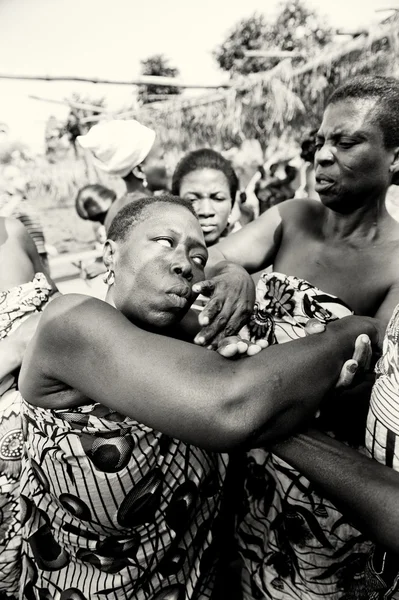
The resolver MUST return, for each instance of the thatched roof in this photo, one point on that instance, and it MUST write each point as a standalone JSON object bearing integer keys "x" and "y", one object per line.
{"x": 284, "y": 99}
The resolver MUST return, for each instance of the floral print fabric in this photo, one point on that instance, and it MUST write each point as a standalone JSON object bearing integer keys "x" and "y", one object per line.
{"x": 294, "y": 543}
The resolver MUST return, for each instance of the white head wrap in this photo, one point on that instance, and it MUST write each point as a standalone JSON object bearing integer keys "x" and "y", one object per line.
{"x": 118, "y": 146}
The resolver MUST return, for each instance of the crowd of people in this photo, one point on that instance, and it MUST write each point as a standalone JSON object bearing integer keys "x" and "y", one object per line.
{"x": 223, "y": 424}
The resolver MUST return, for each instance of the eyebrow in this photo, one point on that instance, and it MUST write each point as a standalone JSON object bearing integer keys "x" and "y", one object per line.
{"x": 190, "y": 239}
{"x": 341, "y": 132}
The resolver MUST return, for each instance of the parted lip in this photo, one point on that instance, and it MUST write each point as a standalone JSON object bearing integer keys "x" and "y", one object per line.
{"x": 320, "y": 177}
{"x": 184, "y": 291}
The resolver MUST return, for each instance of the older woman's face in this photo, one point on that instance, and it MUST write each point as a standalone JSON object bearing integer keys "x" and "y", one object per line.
{"x": 352, "y": 164}
{"x": 157, "y": 265}
{"x": 209, "y": 192}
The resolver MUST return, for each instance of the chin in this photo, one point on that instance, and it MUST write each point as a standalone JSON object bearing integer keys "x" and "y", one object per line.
{"x": 213, "y": 239}
{"x": 165, "y": 321}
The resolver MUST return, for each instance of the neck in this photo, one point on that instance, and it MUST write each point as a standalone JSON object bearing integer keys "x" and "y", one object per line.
{"x": 134, "y": 184}
{"x": 367, "y": 223}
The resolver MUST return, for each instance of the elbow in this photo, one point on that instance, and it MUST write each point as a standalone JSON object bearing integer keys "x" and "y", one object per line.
{"x": 238, "y": 420}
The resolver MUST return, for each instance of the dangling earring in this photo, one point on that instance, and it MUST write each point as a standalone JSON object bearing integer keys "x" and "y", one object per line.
{"x": 145, "y": 182}
{"x": 109, "y": 277}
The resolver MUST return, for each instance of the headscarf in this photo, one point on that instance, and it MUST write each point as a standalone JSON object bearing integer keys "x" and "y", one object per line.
{"x": 118, "y": 146}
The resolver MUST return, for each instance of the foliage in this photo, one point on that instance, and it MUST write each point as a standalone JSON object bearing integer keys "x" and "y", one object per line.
{"x": 157, "y": 65}
{"x": 295, "y": 29}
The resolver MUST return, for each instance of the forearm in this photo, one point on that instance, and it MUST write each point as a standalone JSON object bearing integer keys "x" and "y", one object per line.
{"x": 295, "y": 379}
{"x": 365, "y": 491}
{"x": 216, "y": 260}
{"x": 180, "y": 389}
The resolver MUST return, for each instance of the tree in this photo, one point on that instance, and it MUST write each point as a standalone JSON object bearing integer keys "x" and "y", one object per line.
{"x": 296, "y": 29}
{"x": 158, "y": 65}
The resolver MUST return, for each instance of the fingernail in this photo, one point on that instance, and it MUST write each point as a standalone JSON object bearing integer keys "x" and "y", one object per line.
{"x": 365, "y": 339}
{"x": 200, "y": 341}
{"x": 196, "y": 288}
{"x": 205, "y": 320}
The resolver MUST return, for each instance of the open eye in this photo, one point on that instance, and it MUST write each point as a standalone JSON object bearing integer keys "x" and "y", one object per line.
{"x": 165, "y": 242}
{"x": 200, "y": 261}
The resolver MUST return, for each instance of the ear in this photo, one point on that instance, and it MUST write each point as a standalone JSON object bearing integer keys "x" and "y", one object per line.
{"x": 394, "y": 168}
{"x": 110, "y": 254}
{"x": 138, "y": 172}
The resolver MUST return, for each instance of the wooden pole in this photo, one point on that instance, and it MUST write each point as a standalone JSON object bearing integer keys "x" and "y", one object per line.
{"x": 272, "y": 54}
{"x": 143, "y": 80}
{"x": 328, "y": 56}
{"x": 71, "y": 103}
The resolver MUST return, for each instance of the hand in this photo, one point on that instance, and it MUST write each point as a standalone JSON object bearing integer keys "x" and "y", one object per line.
{"x": 234, "y": 346}
{"x": 232, "y": 297}
{"x": 360, "y": 361}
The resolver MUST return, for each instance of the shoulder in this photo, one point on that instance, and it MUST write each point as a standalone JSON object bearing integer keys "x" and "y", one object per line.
{"x": 301, "y": 208}
{"x": 75, "y": 311}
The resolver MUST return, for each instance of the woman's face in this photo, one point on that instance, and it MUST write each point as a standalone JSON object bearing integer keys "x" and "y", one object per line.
{"x": 154, "y": 169}
{"x": 209, "y": 192}
{"x": 156, "y": 266}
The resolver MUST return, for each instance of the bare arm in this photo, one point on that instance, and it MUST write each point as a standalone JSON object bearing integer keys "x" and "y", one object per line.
{"x": 29, "y": 246}
{"x": 365, "y": 491}
{"x": 253, "y": 247}
{"x": 177, "y": 388}
{"x": 249, "y": 250}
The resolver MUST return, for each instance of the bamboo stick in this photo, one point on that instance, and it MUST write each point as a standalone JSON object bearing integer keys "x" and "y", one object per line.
{"x": 142, "y": 80}
{"x": 327, "y": 57}
{"x": 272, "y": 54}
{"x": 71, "y": 103}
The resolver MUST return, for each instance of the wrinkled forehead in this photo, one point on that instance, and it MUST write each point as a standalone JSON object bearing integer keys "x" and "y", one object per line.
{"x": 350, "y": 115}
{"x": 163, "y": 216}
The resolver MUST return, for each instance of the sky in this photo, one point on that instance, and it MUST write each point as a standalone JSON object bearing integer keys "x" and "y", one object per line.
{"x": 108, "y": 38}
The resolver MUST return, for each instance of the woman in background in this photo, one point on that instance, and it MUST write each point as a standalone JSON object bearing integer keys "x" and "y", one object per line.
{"x": 209, "y": 182}
{"x": 25, "y": 290}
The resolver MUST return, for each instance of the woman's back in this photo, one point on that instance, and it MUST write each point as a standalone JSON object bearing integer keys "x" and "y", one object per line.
{"x": 138, "y": 516}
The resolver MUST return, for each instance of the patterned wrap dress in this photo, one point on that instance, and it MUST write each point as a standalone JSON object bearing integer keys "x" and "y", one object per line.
{"x": 113, "y": 509}
{"x": 16, "y": 304}
{"x": 382, "y": 443}
{"x": 294, "y": 543}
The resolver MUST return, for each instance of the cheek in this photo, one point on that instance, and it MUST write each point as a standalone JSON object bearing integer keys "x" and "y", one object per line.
{"x": 223, "y": 210}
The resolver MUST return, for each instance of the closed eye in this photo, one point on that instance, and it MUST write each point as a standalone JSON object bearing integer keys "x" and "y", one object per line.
{"x": 346, "y": 144}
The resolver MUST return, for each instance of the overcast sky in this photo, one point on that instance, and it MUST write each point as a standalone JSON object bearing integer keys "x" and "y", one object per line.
{"x": 107, "y": 38}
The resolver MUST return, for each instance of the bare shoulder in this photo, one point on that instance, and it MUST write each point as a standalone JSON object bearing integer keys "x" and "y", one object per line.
{"x": 74, "y": 311}
{"x": 68, "y": 325}
{"x": 301, "y": 208}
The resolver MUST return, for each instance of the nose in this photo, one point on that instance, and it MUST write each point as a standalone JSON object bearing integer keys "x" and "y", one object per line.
{"x": 204, "y": 207}
{"x": 324, "y": 156}
{"x": 182, "y": 266}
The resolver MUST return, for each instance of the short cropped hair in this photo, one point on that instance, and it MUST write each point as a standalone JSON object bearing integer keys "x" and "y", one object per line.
{"x": 135, "y": 212}
{"x": 205, "y": 158}
{"x": 93, "y": 201}
{"x": 385, "y": 92}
